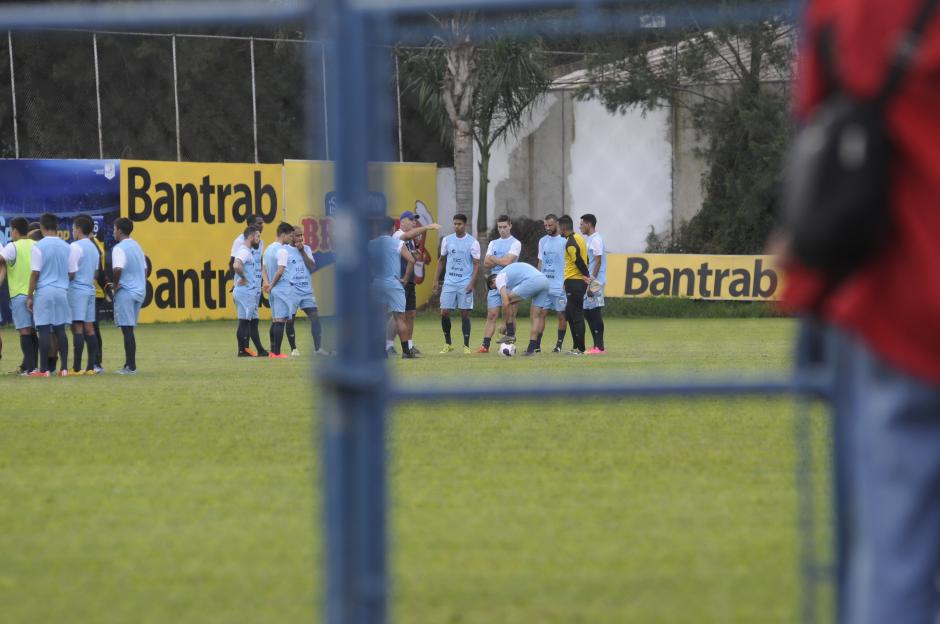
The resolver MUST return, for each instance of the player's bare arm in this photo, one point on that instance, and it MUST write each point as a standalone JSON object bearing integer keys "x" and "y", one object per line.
{"x": 239, "y": 269}
{"x": 418, "y": 231}
{"x": 33, "y": 278}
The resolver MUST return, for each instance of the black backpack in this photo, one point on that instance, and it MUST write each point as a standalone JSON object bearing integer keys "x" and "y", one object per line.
{"x": 837, "y": 200}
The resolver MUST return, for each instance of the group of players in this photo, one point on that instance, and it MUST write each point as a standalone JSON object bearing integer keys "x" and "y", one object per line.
{"x": 569, "y": 280}
{"x": 52, "y": 285}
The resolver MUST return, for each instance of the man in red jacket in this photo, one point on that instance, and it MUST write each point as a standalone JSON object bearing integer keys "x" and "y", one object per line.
{"x": 886, "y": 320}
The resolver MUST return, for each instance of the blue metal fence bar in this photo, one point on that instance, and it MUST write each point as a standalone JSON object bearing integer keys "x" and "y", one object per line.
{"x": 811, "y": 385}
{"x": 355, "y": 388}
{"x": 121, "y": 15}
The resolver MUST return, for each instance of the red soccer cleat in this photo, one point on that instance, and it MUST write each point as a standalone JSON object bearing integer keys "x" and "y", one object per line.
{"x": 482, "y": 350}
{"x": 596, "y": 351}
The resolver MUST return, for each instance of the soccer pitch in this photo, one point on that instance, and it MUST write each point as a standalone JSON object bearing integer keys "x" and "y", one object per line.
{"x": 191, "y": 492}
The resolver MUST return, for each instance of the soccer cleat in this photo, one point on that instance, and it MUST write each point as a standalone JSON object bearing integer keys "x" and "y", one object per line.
{"x": 250, "y": 353}
{"x": 277, "y": 356}
{"x": 391, "y": 351}
{"x": 91, "y": 372}
{"x": 127, "y": 371}
{"x": 415, "y": 351}
{"x": 596, "y": 351}
{"x": 409, "y": 355}
{"x": 538, "y": 349}
{"x": 63, "y": 373}
{"x": 263, "y": 353}
{"x": 294, "y": 353}
{"x": 506, "y": 340}
{"x": 323, "y": 352}
{"x": 467, "y": 350}
{"x": 447, "y": 348}
{"x": 38, "y": 373}
{"x": 575, "y": 352}
{"x": 98, "y": 369}
{"x": 482, "y": 350}
{"x": 245, "y": 353}
{"x": 529, "y": 353}
{"x": 77, "y": 373}
{"x": 557, "y": 349}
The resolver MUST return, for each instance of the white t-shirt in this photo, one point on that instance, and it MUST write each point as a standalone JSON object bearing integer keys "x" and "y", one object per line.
{"x": 35, "y": 259}
{"x": 501, "y": 280}
{"x": 75, "y": 255}
{"x": 9, "y": 253}
{"x": 243, "y": 254}
{"x": 118, "y": 258}
{"x": 282, "y": 257}
{"x": 596, "y": 248}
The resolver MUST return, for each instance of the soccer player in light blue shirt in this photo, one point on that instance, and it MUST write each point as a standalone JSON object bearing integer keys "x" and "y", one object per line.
{"x": 84, "y": 259}
{"x": 597, "y": 267}
{"x": 129, "y": 283}
{"x": 500, "y": 253}
{"x": 279, "y": 291}
{"x": 246, "y": 264}
{"x": 463, "y": 263}
{"x": 552, "y": 264}
{"x": 301, "y": 266}
{"x": 388, "y": 283}
{"x": 520, "y": 281}
{"x": 48, "y": 293}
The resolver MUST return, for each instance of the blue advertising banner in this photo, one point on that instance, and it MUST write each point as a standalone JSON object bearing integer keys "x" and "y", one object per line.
{"x": 66, "y": 188}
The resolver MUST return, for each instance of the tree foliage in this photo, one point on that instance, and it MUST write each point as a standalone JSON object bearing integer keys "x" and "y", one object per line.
{"x": 479, "y": 91}
{"x": 733, "y": 79}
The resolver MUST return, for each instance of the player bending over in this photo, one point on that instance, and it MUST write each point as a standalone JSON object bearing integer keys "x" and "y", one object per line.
{"x": 520, "y": 281}
{"x": 500, "y": 253}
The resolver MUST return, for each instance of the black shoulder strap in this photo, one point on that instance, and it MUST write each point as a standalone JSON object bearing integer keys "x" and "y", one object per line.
{"x": 904, "y": 54}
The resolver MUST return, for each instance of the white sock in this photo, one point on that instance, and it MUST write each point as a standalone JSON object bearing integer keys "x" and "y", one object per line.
{"x": 389, "y": 344}
{"x": 411, "y": 344}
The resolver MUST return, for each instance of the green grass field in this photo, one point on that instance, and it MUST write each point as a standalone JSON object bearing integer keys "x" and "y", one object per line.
{"x": 191, "y": 492}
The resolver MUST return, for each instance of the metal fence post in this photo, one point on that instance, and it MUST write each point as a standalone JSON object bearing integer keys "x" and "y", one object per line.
{"x": 254, "y": 96}
{"x": 176, "y": 100}
{"x": 16, "y": 129}
{"x": 356, "y": 385}
{"x": 94, "y": 43}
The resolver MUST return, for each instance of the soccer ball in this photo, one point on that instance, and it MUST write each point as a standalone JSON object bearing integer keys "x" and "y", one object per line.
{"x": 508, "y": 350}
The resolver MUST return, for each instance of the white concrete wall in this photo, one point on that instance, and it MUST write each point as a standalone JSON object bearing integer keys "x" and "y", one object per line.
{"x": 446, "y": 200}
{"x": 575, "y": 157}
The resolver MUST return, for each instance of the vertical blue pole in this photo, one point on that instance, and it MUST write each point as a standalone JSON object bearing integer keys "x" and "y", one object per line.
{"x": 354, "y": 391}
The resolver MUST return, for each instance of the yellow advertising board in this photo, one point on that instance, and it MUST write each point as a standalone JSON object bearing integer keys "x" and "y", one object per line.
{"x": 728, "y": 278}
{"x": 186, "y": 217}
{"x": 310, "y": 201}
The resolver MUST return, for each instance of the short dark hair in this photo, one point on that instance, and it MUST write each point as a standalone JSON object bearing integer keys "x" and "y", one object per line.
{"x": 21, "y": 225}
{"x": 503, "y": 218}
{"x": 551, "y": 216}
{"x": 257, "y": 218}
{"x": 34, "y": 225}
{"x": 35, "y": 235}
{"x": 460, "y": 217}
{"x": 565, "y": 221}
{"x": 590, "y": 219}
{"x": 249, "y": 231}
{"x": 491, "y": 281}
{"x": 48, "y": 221}
{"x": 124, "y": 225}
{"x": 284, "y": 228}
{"x": 84, "y": 223}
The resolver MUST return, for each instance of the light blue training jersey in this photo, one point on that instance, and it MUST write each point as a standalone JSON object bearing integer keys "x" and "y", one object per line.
{"x": 257, "y": 254}
{"x": 252, "y": 264}
{"x": 518, "y": 272}
{"x": 134, "y": 273}
{"x": 460, "y": 253}
{"x": 270, "y": 265}
{"x": 552, "y": 255}
{"x": 299, "y": 273}
{"x": 84, "y": 281}
{"x": 55, "y": 263}
{"x": 595, "y": 240}
{"x": 385, "y": 261}
{"x": 500, "y": 247}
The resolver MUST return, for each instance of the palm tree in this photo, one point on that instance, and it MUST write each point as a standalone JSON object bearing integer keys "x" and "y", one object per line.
{"x": 474, "y": 92}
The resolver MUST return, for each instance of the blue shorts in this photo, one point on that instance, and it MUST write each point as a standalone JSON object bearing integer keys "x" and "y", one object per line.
{"x": 22, "y": 317}
{"x": 82, "y": 306}
{"x": 456, "y": 297}
{"x": 553, "y": 301}
{"x": 534, "y": 288}
{"x": 246, "y": 304}
{"x": 305, "y": 302}
{"x": 283, "y": 304}
{"x": 51, "y": 307}
{"x": 493, "y": 299}
{"x": 392, "y": 298}
{"x": 126, "y": 308}
{"x": 593, "y": 301}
